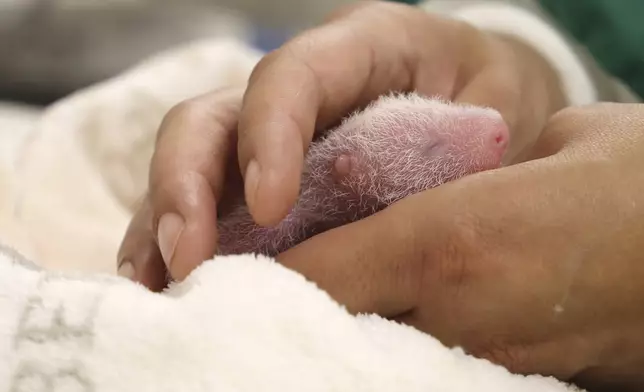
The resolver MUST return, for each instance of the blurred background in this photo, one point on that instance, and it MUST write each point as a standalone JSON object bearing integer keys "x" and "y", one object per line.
{"x": 49, "y": 48}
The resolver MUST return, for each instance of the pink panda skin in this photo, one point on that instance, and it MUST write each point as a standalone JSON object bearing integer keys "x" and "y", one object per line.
{"x": 397, "y": 146}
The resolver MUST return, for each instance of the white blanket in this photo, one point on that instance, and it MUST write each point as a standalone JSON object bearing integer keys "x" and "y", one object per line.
{"x": 237, "y": 324}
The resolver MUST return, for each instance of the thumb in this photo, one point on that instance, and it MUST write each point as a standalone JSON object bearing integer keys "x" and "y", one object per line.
{"x": 367, "y": 266}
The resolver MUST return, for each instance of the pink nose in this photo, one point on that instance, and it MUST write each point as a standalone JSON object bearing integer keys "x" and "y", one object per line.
{"x": 499, "y": 138}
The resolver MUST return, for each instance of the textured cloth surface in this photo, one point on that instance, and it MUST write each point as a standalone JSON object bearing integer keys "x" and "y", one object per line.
{"x": 236, "y": 324}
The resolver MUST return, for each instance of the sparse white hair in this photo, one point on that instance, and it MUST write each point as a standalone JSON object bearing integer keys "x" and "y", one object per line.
{"x": 400, "y": 144}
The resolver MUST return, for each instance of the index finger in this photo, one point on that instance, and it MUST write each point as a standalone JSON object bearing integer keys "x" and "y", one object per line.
{"x": 322, "y": 75}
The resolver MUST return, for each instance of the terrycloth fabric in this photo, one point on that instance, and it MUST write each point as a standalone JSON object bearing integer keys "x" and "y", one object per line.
{"x": 239, "y": 324}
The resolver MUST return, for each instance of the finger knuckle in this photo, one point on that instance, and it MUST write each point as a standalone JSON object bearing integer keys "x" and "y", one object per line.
{"x": 306, "y": 49}
{"x": 186, "y": 110}
{"x": 177, "y": 114}
{"x": 562, "y": 127}
{"x": 453, "y": 265}
{"x": 462, "y": 244}
{"x": 574, "y": 117}
{"x": 266, "y": 60}
{"x": 305, "y": 46}
{"x": 564, "y": 117}
{"x": 581, "y": 131}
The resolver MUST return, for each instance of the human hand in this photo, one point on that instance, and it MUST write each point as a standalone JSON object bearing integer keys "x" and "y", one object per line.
{"x": 535, "y": 266}
{"x": 309, "y": 84}
{"x": 193, "y": 159}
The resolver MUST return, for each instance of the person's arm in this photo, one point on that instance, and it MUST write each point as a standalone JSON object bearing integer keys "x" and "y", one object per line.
{"x": 583, "y": 79}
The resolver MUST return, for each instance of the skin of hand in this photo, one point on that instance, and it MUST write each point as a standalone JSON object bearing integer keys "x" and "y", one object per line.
{"x": 304, "y": 87}
{"x": 536, "y": 266}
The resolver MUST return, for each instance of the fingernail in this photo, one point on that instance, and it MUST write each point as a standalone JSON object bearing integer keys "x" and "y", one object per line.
{"x": 252, "y": 181}
{"x": 126, "y": 270}
{"x": 170, "y": 227}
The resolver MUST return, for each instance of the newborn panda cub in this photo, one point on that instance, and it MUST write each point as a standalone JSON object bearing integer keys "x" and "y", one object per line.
{"x": 399, "y": 145}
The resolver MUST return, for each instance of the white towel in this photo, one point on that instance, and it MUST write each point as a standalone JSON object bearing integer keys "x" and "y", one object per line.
{"x": 238, "y": 323}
